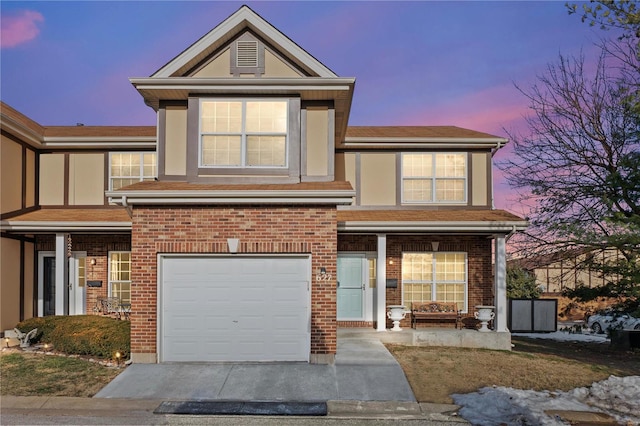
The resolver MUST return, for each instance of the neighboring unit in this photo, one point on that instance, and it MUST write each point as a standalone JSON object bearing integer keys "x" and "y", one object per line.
{"x": 252, "y": 222}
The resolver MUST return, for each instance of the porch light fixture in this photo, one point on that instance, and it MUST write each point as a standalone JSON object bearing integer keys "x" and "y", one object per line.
{"x": 435, "y": 245}
{"x": 323, "y": 270}
{"x": 390, "y": 261}
{"x": 232, "y": 244}
{"x": 93, "y": 261}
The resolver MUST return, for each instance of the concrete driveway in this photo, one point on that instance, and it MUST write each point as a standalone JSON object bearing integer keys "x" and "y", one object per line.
{"x": 364, "y": 370}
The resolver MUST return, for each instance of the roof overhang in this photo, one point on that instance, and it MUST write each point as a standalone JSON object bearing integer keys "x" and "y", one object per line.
{"x": 93, "y": 142}
{"x": 63, "y": 226}
{"x": 463, "y": 227}
{"x": 153, "y": 89}
{"x": 230, "y": 197}
{"x": 429, "y": 143}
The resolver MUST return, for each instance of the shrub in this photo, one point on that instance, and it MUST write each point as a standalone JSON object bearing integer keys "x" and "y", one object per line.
{"x": 82, "y": 334}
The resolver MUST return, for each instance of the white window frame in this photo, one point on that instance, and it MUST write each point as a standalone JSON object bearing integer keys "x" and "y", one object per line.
{"x": 434, "y": 282}
{"x": 141, "y": 176}
{"x": 111, "y": 282}
{"x": 433, "y": 178}
{"x": 243, "y": 134}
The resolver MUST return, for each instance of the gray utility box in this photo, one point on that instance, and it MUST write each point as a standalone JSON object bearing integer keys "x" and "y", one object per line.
{"x": 533, "y": 315}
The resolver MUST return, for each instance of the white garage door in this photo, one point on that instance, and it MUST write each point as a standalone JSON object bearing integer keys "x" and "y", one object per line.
{"x": 235, "y": 309}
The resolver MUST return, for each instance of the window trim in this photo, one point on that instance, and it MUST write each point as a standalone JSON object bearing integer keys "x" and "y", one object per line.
{"x": 110, "y": 281}
{"x": 141, "y": 177}
{"x": 435, "y": 179}
{"x": 243, "y": 167}
{"x": 433, "y": 282}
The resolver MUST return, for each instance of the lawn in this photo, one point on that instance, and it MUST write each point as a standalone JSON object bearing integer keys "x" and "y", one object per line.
{"x": 434, "y": 373}
{"x": 29, "y": 374}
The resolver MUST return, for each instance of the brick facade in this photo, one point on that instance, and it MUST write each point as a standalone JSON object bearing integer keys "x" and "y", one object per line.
{"x": 265, "y": 229}
{"x": 478, "y": 249}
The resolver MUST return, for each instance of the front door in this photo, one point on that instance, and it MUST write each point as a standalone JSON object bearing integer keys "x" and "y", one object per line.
{"x": 75, "y": 296}
{"x": 77, "y": 284}
{"x": 351, "y": 287}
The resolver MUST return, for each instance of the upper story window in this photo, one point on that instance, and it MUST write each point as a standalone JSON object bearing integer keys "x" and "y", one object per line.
{"x": 434, "y": 178}
{"x": 126, "y": 168}
{"x": 243, "y": 133}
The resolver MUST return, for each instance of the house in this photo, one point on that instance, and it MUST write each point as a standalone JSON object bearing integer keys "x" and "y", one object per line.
{"x": 562, "y": 270}
{"x": 252, "y": 222}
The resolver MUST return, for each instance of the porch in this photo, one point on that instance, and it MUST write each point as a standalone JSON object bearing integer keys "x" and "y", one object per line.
{"x": 464, "y": 338}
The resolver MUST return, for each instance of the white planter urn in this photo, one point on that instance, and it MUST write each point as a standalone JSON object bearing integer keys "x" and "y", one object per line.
{"x": 484, "y": 314}
{"x": 396, "y": 314}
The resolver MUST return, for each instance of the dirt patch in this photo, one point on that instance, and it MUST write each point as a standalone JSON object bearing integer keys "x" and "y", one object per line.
{"x": 435, "y": 373}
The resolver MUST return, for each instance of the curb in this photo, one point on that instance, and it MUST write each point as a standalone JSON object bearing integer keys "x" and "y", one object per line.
{"x": 335, "y": 408}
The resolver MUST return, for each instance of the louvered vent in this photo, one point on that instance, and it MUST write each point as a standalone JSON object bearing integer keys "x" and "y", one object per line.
{"x": 247, "y": 54}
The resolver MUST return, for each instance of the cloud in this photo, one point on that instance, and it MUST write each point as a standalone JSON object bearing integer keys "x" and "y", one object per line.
{"x": 19, "y": 28}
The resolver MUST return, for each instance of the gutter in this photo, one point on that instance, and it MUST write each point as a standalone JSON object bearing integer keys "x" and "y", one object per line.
{"x": 361, "y": 226}
{"x": 130, "y": 198}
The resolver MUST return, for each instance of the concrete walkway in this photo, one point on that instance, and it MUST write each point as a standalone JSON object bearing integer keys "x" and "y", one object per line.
{"x": 363, "y": 371}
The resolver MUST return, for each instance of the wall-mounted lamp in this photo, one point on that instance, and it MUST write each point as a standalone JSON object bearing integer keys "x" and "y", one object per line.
{"x": 435, "y": 245}
{"x": 323, "y": 270}
{"x": 93, "y": 261}
{"x": 390, "y": 261}
{"x": 232, "y": 244}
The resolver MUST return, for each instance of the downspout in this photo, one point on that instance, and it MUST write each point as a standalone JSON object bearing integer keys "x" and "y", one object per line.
{"x": 510, "y": 234}
{"x": 499, "y": 145}
{"x": 126, "y": 206}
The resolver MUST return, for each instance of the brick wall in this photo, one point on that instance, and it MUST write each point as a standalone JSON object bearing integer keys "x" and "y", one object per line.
{"x": 479, "y": 258}
{"x": 264, "y": 229}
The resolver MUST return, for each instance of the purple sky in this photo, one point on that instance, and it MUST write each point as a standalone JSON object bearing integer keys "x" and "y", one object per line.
{"x": 415, "y": 63}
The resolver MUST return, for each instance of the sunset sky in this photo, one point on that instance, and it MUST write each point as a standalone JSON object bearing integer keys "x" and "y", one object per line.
{"x": 415, "y": 63}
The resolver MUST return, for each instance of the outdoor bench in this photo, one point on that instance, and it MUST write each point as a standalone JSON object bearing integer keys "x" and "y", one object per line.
{"x": 435, "y": 311}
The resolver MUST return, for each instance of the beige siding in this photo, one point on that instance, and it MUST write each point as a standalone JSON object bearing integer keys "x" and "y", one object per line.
{"x": 175, "y": 155}
{"x": 29, "y": 268}
{"x": 9, "y": 283}
{"x": 378, "y": 179}
{"x": 11, "y": 175}
{"x": 51, "y": 179}
{"x": 86, "y": 179}
{"x": 479, "y": 180}
{"x": 317, "y": 142}
{"x": 219, "y": 67}
{"x": 346, "y": 168}
{"x": 275, "y": 67}
{"x": 31, "y": 178}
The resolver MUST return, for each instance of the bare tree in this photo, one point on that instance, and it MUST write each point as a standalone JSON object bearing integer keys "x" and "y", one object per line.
{"x": 579, "y": 165}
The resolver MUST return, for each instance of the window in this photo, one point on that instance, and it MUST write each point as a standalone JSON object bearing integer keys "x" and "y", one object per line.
{"x": 434, "y": 178}
{"x": 126, "y": 168}
{"x": 249, "y": 133}
{"x": 120, "y": 275}
{"x": 434, "y": 276}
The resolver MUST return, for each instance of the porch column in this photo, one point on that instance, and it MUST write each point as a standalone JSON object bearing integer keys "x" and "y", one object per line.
{"x": 500, "y": 284}
{"x": 61, "y": 275}
{"x": 381, "y": 283}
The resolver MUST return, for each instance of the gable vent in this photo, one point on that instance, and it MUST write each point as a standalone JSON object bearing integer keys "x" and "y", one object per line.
{"x": 247, "y": 53}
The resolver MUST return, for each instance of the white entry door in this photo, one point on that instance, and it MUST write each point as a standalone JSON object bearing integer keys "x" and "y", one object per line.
{"x": 77, "y": 284}
{"x": 351, "y": 287}
{"x": 235, "y": 308}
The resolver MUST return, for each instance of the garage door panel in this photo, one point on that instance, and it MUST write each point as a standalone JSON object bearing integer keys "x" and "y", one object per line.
{"x": 235, "y": 309}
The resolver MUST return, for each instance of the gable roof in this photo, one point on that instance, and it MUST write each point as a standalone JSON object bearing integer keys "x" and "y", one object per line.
{"x": 243, "y": 19}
